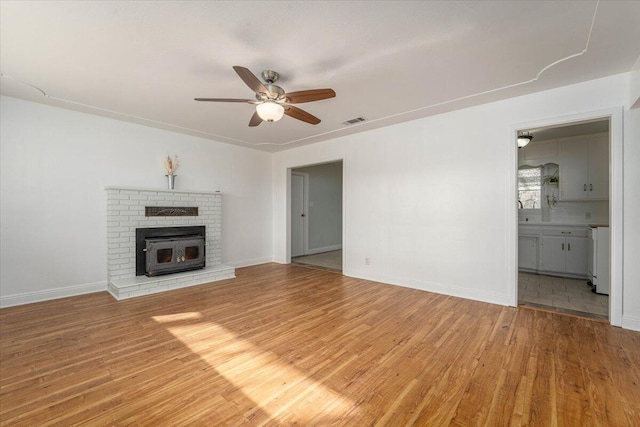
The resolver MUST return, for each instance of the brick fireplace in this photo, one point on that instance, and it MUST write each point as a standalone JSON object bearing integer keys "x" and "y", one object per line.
{"x": 128, "y": 210}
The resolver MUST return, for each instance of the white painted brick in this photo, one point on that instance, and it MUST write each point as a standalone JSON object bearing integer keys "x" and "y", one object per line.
{"x": 119, "y": 251}
{"x": 120, "y": 239}
{"x": 124, "y": 272}
{"x": 128, "y": 223}
{"x": 124, "y": 218}
{"x": 138, "y": 293}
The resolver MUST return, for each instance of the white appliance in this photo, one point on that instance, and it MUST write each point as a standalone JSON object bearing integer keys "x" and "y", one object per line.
{"x": 598, "y": 259}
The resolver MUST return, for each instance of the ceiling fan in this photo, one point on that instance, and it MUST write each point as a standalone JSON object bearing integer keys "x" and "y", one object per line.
{"x": 272, "y": 102}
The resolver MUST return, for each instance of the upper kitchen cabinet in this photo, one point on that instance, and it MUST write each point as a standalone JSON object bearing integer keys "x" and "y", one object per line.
{"x": 584, "y": 168}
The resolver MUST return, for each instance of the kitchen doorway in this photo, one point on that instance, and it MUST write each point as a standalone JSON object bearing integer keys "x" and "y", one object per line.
{"x": 317, "y": 216}
{"x": 564, "y": 212}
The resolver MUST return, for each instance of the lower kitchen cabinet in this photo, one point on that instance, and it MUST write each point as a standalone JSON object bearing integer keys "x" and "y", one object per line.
{"x": 555, "y": 249}
{"x": 564, "y": 254}
{"x": 528, "y": 252}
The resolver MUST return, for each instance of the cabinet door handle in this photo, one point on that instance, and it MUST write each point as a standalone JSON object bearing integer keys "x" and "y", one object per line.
{"x": 565, "y": 232}
{"x": 563, "y": 246}
{"x": 584, "y": 188}
{"x": 590, "y": 187}
{"x": 569, "y": 246}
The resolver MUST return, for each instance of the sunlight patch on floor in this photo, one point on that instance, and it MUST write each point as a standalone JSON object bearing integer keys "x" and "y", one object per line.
{"x": 275, "y": 387}
{"x": 177, "y": 317}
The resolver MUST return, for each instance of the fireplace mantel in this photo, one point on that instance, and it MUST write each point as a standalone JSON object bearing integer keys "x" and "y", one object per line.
{"x": 126, "y": 213}
{"x": 160, "y": 190}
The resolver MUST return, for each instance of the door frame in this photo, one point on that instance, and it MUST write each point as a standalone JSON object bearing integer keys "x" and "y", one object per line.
{"x": 289, "y": 171}
{"x": 305, "y": 221}
{"x": 616, "y": 181}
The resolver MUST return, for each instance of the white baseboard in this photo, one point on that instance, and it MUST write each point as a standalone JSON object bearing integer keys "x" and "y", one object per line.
{"x": 631, "y": 322}
{"x": 249, "y": 262}
{"x": 49, "y": 294}
{"x": 324, "y": 249}
{"x": 439, "y": 288}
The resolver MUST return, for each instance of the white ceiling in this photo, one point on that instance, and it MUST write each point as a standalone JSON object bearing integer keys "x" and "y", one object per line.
{"x": 387, "y": 61}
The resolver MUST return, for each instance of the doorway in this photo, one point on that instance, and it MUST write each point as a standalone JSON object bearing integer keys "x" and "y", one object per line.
{"x": 563, "y": 187}
{"x": 299, "y": 203}
{"x": 316, "y": 216}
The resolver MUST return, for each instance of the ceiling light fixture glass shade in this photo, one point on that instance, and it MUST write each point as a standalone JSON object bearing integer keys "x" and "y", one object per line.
{"x": 270, "y": 111}
{"x": 524, "y": 139}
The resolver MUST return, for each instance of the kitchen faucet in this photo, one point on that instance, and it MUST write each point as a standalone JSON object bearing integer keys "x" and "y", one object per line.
{"x": 521, "y": 206}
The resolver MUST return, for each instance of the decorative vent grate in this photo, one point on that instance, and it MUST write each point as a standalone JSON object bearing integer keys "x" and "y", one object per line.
{"x": 354, "y": 121}
{"x": 170, "y": 211}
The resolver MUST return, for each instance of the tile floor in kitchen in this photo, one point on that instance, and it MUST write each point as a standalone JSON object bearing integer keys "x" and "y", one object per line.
{"x": 572, "y": 296}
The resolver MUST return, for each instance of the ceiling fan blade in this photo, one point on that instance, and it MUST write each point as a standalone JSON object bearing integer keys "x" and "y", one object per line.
{"x": 299, "y": 114}
{"x": 250, "y": 79}
{"x": 309, "y": 95}
{"x": 223, "y": 100}
{"x": 255, "y": 120}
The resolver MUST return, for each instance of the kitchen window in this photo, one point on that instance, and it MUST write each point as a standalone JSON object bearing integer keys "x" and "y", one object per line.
{"x": 529, "y": 187}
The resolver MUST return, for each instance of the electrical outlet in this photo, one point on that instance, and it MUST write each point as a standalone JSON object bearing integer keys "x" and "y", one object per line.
{"x": 367, "y": 261}
{"x": 587, "y": 215}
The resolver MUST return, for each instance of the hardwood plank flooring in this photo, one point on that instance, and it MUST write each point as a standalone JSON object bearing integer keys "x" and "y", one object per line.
{"x": 287, "y": 345}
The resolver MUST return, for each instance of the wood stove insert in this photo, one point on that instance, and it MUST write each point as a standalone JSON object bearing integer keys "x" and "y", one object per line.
{"x": 165, "y": 250}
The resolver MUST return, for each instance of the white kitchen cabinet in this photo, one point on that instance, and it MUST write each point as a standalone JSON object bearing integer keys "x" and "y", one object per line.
{"x": 552, "y": 253}
{"x": 563, "y": 254}
{"x": 528, "y": 252}
{"x": 584, "y": 168}
{"x": 599, "y": 168}
{"x": 577, "y": 249}
{"x": 554, "y": 249}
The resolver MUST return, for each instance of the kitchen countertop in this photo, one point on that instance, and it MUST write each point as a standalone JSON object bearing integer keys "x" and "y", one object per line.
{"x": 563, "y": 224}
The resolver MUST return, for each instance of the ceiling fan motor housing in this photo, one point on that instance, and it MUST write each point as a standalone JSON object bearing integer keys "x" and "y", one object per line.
{"x": 270, "y": 76}
{"x": 276, "y": 93}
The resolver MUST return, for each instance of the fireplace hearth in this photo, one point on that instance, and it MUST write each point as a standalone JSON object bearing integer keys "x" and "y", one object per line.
{"x": 166, "y": 250}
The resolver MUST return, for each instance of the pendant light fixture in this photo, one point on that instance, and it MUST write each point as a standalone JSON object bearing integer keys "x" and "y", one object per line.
{"x": 270, "y": 111}
{"x": 524, "y": 138}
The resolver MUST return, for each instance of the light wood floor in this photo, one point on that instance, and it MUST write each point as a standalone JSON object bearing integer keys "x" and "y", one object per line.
{"x": 285, "y": 345}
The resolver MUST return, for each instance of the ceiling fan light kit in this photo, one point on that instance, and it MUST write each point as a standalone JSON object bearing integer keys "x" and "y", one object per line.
{"x": 270, "y": 111}
{"x": 272, "y": 102}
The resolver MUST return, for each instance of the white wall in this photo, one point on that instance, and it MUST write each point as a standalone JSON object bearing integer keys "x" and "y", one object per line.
{"x": 631, "y": 303}
{"x": 631, "y": 271}
{"x": 409, "y": 188}
{"x": 325, "y": 206}
{"x": 634, "y": 91}
{"x": 55, "y": 164}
